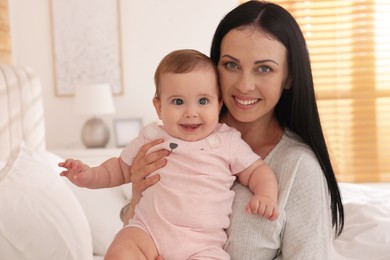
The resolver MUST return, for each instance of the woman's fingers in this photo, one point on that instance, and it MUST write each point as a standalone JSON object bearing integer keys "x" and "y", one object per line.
{"x": 144, "y": 164}
{"x": 140, "y": 184}
{"x": 151, "y": 181}
{"x": 159, "y": 162}
{"x": 139, "y": 160}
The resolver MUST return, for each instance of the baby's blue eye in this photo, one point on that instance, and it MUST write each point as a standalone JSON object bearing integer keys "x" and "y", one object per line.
{"x": 203, "y": 101}
{"x": 178, "y": 101}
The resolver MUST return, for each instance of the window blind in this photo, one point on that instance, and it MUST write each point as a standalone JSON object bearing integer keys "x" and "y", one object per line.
{"x": 349, "y": 47}
{"x": 5, "y": 42}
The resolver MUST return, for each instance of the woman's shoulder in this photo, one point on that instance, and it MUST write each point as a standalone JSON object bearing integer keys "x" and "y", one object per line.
{"x": 297, "y": 169}
{"x": 291, "y": 148}
{"x": 292, "y": 160}
{"x": 291, "y": 140}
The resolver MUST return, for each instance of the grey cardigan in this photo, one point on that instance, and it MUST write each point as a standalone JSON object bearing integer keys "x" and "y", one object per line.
{"x": 303, "y": 229}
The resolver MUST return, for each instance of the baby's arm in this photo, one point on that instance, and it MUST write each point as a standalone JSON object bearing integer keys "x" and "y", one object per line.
{"x": 263, "y": 183}
{"x": 113, "y": 172}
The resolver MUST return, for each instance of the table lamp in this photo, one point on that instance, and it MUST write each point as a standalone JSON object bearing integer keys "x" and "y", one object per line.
{"x": 94, "y": 100}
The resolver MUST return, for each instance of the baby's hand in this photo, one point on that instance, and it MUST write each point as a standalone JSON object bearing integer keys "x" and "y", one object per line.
{"x": 263, "y": 206}
{"x": 76, "y": 172}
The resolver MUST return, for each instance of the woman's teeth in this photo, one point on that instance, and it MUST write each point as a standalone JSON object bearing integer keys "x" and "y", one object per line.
{"x": 247, "y": 102}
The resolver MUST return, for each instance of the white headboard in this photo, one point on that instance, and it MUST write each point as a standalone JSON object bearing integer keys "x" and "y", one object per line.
{"x": 21, "y": 110}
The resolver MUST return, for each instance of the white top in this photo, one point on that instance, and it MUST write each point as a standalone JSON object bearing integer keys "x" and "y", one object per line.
{"x": 304, "y": 227}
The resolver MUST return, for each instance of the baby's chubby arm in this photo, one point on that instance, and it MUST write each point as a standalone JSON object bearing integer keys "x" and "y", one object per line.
{"x": 263, "y": 183}
{"x": 112, "y": 172}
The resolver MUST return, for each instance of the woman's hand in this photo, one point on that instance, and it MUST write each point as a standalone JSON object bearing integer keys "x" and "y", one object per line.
{"x": 143, "y": 165}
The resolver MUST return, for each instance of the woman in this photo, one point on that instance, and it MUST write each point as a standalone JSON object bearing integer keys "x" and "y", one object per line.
{"x": 268, "y": 92}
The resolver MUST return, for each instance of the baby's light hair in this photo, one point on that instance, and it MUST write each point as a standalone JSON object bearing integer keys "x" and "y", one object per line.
{"x": 183, "y": 61}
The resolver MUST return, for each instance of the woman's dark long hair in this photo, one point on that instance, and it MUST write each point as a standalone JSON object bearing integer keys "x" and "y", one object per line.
{"x": 297, "y": 107}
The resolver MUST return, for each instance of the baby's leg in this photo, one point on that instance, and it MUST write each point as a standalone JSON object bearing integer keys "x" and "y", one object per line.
{"x": 131, "y": 243}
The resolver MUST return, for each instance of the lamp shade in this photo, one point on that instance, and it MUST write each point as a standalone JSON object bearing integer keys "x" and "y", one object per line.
{"x": 94, "y": 100}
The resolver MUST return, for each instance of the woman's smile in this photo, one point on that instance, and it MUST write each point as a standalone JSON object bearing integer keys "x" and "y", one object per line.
{"x": 245, "y": 101}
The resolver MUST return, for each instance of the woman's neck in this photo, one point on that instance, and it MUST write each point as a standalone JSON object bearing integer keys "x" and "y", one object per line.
{"x": 262, "y": 135}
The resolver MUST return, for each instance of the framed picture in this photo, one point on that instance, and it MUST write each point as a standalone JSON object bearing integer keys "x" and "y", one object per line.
{"x": 126, "y": 130}
{"x": 87, "y": 44}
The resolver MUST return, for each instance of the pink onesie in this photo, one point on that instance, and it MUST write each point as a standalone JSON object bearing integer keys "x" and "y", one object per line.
{"x": 187, "y": 211}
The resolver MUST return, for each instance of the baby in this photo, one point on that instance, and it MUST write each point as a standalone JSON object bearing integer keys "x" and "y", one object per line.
{"x": 185, "y": 214}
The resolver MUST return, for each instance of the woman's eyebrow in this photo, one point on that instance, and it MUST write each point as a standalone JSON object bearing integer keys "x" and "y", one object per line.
{"x": 256, "y": 62}
{"x": 230, "y": 57}
{"x": 266, "y": 60}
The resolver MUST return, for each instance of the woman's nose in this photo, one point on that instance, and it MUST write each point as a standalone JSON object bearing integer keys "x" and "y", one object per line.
{"x": 246, "y": 83}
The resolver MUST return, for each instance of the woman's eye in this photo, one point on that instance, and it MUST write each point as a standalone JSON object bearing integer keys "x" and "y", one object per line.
{"x": 203, "y": 101}
{"x": 231, "y": 65}
{"x": 178, "y": 101}
{"x": 264, "y": 68}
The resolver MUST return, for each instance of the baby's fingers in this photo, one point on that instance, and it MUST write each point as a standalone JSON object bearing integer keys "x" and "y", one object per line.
{"x": 256, "y": 207}
{"x": 64, "y": 173}
{"x": 61, "y": 164}
{"x": 275, "y": 214}
{"x": 267, "y": 210}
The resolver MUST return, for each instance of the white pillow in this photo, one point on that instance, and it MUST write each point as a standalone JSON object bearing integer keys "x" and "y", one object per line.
{"x": 39, "y": 216}
{"x": 367, "y": 223}
{"x": 102, "y": 208}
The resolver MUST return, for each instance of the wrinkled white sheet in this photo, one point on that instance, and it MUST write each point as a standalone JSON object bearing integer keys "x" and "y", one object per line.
{"x": 366, "y": 233}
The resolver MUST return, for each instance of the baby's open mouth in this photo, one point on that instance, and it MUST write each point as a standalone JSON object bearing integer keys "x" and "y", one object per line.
{"x": 190, "y": 127}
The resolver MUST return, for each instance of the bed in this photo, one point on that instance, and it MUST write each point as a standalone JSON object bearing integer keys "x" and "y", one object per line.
{"x": 43, "y": 216}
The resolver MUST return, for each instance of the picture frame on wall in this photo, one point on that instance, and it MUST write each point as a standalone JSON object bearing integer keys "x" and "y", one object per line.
{"x": 126, "y": 129}
{"x": 86, "y": 44}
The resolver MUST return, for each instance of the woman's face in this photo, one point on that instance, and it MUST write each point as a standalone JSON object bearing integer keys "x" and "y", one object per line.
{"x": 253, "y": 72}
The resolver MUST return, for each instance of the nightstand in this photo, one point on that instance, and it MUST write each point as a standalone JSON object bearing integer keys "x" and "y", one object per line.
{"x": 91, "y": 157}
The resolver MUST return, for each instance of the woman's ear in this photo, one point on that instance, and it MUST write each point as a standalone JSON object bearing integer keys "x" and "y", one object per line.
{"x": 288, "y": 83}
{"x": 157, "y": 106}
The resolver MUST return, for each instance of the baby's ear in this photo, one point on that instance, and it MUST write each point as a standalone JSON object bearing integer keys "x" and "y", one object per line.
{"x": 220, "y": 104}
{"x": 157, "y": 106}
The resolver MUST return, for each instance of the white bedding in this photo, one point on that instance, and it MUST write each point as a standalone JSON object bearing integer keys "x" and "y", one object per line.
{"x": 366, "y": 233}
{"x": 40, "y": 216}
{"x": 38, "y": 220}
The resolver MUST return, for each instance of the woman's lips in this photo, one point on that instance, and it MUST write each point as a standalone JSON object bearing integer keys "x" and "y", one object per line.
{"x": 246, "y": 101}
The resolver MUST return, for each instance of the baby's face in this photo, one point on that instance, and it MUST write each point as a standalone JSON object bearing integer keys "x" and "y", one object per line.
{"x": 188, "y": 104}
